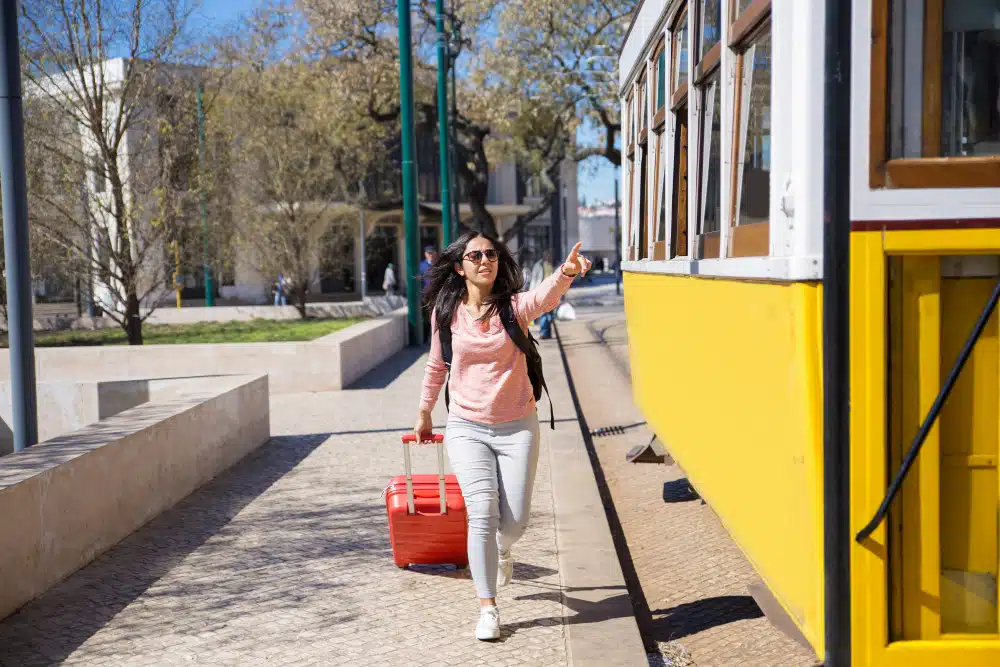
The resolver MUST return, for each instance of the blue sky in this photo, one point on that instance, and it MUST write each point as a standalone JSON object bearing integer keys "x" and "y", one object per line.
{"x": 596, "y": 176}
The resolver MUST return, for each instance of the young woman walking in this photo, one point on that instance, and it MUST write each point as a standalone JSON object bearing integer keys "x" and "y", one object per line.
{"x": 492, "y": 435}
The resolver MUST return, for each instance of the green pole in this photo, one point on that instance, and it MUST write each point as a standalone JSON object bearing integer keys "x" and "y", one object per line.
{"x": 410, "y": 219}
{"x": 443, "y": 136}
{"x": 209, "y": 292}
{"x": 453, "y": 155}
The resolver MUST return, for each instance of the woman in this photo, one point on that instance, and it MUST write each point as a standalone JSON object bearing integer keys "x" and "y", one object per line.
{"x": 492, "y": 434}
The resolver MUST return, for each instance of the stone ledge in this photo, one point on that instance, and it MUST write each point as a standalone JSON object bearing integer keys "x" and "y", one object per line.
{"x": 327, "y": 364}
{"x": 67, "y": 500}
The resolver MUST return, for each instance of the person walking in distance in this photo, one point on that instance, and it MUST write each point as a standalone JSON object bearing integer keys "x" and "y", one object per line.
{"x": 541, "y": 271}
{"x": 492, "y": 434}
{"x": 281, "y": 291}
{"x": 389, "y": 280}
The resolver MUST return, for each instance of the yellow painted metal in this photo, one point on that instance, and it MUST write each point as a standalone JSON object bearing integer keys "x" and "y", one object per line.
{"x": 970, "y": 431}
{"x": 728, "y": 373}
{"x": 939, "y": 241}
{"x": 921, "y": 369}
{"x": 942, "y": 582}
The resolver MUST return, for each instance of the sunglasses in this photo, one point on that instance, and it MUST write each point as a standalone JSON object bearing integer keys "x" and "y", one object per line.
{"x": 476, "y": 256}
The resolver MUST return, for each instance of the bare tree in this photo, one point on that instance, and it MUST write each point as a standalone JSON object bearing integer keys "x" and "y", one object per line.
{"x": 301, "y": 151}
{"x": 96, "y": 69}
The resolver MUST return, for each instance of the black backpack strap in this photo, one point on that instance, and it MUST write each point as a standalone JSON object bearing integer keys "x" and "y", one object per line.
{"x": 527, "y": 346}
{"x": 444, "y": 336}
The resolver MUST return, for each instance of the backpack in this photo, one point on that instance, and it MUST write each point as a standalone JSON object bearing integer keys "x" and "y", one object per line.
{"x": 525, "y": 342}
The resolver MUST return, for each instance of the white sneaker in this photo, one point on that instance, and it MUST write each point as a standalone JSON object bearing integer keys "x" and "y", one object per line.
{"x": 505, "y": 568}
{"x": 489, "y": 623}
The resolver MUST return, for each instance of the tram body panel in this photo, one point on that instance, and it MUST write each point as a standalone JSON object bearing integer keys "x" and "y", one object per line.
{"x": 734, "y": 392}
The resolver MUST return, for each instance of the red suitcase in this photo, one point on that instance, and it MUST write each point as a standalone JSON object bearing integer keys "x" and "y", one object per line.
{"x": 427, "y": 515}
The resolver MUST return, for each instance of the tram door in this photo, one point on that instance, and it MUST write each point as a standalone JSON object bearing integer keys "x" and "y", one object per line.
{"x": 943, "y": 528}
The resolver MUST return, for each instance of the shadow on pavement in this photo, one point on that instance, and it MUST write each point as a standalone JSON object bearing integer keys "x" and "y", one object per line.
{"x": 49, "y": 629}
{"x": 694, "y": 617}
{"x": 386, "y": 373}
{"x": 585, "y": 610}
{"x": 678, "y": 491}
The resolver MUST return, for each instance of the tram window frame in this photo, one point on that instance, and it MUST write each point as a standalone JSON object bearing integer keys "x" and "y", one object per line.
{"x": 642, "y": 219}
{"x": 930, "y": 170}
{"x": 707, "y": 74}
{"x": 746, "y": 28}
{"x": 679, "y": 108}
{"x": 630, "y": 171}
{"x": 658, "y": 75}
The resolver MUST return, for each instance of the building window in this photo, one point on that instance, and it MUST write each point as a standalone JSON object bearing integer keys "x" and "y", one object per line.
{"x": 98, "y": 174}
{"x": 750, "y": 35}
{"x": 935, "y": 84}
{"x": 679, "y": 96}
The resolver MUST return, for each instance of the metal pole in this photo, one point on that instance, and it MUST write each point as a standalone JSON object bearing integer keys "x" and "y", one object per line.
{"x": 364, "y": 272}
{"x": 618, "y": 243}
{"x": 456, "y": 220}
{"x": 836, "y": 338}
{"x": 442, "y": 104}
{"x": 13, "y": 185}
{"x": 410, "y": 219}
{"x": 209, "y": 291}
{"x": 177, "y": 272}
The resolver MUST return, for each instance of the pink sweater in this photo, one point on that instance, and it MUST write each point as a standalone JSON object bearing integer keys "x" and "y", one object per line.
{"x": 489, "y": 374}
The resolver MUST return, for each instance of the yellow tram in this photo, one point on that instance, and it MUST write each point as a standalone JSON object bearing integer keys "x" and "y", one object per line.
{"x": 724, "y": 126}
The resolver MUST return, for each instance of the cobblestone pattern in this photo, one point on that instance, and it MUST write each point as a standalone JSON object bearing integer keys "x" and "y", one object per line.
{"x": 692, "y": 574}
{"x": 285, "y": 560}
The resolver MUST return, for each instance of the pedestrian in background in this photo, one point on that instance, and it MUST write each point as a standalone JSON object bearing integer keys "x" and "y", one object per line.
{"x": 389, "y": 280}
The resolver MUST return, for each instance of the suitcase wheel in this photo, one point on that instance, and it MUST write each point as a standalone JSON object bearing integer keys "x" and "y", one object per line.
{"x": 461, "y": 566}
{"x": 403, "y": 566}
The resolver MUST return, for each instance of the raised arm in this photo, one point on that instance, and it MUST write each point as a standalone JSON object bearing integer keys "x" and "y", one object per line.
{"x": 529, "y": 305}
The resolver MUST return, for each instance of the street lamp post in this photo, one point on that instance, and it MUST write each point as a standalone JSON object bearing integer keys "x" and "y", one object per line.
{"x": 14, "y": 188}
{"x": 442, "y": 105}
{"x": 209, "y": 290}
{"x": 412, "y": 233}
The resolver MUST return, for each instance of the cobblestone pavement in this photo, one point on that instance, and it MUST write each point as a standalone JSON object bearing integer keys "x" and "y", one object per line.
{"x": 692, "y": 575}
{"x": 285, "y": 560}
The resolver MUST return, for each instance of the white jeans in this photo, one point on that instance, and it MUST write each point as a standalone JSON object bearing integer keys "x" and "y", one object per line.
{"x": 495, "y": 465}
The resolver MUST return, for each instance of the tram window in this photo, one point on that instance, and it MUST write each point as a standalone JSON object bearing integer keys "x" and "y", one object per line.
{"x": 680, "y": 203}
{"x": 711, "y": 26}
{"x": 661, "y": 78}
{"x": 680, "y": 64}
{"x": 710, "y": 170}
{"x": 680, "y": 54}
{"x": 935, "y": 87}
{"x": 755, "y": 167}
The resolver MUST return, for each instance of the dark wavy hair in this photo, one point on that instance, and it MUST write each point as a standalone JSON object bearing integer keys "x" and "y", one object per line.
{"x": 446, "y": 288}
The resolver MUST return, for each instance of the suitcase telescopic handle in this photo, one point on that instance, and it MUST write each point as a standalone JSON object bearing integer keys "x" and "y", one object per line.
{"x": 438, "y": 440}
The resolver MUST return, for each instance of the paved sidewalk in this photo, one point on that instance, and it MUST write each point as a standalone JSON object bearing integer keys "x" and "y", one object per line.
{"x": 285, "y": 560}
{"x": 692, "y": 575}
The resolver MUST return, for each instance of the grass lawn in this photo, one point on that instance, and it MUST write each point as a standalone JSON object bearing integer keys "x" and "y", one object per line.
{"x": 254, "y": 331}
